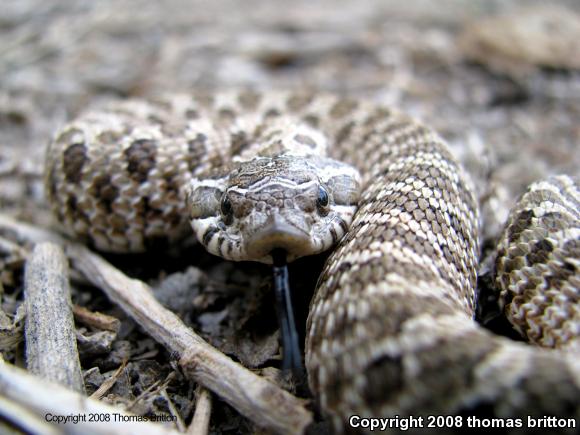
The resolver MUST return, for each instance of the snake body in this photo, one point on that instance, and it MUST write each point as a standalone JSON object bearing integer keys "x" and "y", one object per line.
{"x": 390, "y": 330}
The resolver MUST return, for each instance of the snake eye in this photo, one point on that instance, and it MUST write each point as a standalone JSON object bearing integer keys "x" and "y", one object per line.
{"x": 322, "y": 200}
{"x": 226, "y": 209}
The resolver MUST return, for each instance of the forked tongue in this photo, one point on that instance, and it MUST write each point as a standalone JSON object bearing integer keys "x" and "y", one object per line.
{"x": 291, "y": 350}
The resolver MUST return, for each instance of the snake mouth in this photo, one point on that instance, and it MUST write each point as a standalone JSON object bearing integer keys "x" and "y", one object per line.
{"x": 277, "y": 233}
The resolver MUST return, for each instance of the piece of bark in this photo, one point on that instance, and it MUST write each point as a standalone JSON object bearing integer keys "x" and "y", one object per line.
{"x": 51, "y": 347}
{"x": 91, "y": 344}
{"x": 261, "y": 401}
{"x": 49, "y": 401}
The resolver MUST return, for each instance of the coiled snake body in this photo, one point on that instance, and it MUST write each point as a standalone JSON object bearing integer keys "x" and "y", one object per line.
{"x": 390, "y": 329}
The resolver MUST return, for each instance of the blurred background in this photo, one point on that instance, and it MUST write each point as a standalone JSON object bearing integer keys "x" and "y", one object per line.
{"x": 499, "y": 79}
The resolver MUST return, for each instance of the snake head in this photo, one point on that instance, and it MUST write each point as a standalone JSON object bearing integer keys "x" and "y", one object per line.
{"x": 300, "y": 204}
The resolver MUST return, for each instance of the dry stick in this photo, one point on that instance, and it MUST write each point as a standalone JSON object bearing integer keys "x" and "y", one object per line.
{"x": 143, "y": 395}
{"x": 10, "y": 228}
{"x": 26, "y": 232}
{"x": 51, "y": 345}
{"x": 95, "y": 319}
{"x": 8, "y": 247}
{"x": 25, "y": 420}
{"x": 108, "y": 383}
{"x": 51, "y": 400}
{"x": 178, "y": 420}
{"x": 261, "y": 401}
{"x": 200, "y": 422}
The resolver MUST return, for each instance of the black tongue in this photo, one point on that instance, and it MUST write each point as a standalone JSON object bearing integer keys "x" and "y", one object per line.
{"x": 292, "y": 358}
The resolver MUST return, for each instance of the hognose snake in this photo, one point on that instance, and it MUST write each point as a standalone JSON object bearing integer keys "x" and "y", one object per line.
{"x": 390, "y": 329}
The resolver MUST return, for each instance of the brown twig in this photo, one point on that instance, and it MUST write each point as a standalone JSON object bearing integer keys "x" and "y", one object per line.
{"x": 108, "y": 383}
{"x": 95, "y": 319}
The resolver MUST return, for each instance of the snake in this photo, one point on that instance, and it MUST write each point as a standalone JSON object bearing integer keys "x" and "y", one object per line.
{"x": 391, "y": 329}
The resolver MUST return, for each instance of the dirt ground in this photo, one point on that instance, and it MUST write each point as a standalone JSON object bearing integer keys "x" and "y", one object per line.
{"x": 500, "y": 80}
